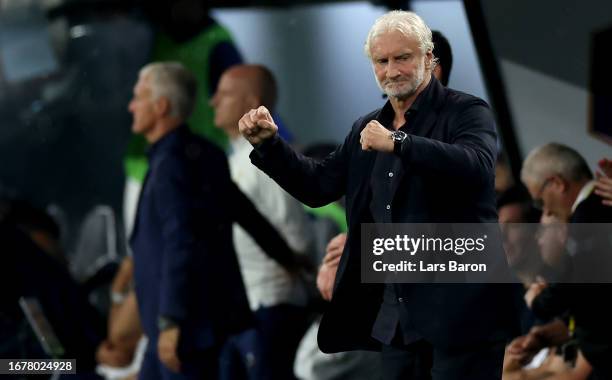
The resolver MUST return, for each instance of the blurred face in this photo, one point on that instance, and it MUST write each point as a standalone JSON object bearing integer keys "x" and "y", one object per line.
{"x": 399, "y": 65}
{"x": 548, "y": 195}
{"x": 515, "y": 236}
{"x": 142, "y": 108}
{"x": 552, "y": 236}
{"x": 230, "y": 102}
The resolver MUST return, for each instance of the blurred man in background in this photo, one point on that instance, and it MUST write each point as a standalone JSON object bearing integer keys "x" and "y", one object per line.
{"x": 277, "y": 294}
{"x": 188, "y": 285}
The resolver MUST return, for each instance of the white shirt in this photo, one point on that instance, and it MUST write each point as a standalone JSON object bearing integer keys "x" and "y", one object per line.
{"x": 584, "y": 193}
{"x": 267, "y": 283}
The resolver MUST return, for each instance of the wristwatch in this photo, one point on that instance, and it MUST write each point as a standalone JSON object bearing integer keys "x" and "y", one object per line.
{"x": 165, "y": 323}
{"x": 398, "y": 138}
{"x": 117, "y": 298}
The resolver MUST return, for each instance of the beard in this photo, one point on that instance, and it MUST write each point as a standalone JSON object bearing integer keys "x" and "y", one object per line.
{"x": 404, "y": 86}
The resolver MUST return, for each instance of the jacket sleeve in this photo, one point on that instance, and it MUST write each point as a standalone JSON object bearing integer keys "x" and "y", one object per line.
{"x": 552, "y": 301}
{"x": 175, "y": 205}
{"x": 260, "y": 229}
{"x": 312, "y": 182}
{"x": 470, "y": 155}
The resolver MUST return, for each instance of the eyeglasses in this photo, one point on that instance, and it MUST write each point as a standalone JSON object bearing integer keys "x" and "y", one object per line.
{"x": 538, "y": 203}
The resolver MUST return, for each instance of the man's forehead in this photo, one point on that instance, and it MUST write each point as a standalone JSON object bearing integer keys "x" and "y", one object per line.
{"x": 142, "y": 85}
{"x": 242, "y": 73}
{"x": 237, "y": 79}
{"x": 394, "y": 40}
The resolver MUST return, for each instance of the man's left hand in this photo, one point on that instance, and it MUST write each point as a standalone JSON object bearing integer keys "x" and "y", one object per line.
{"x": 167, "y": 346}
{"x": 376, "y": 137}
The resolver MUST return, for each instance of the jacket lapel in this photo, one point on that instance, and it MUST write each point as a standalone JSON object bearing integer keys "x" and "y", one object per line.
{"x": 423, "y": 125}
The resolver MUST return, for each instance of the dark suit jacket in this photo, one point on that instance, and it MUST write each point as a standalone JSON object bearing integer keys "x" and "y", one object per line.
{"x": 449, "y": 161}
{"x": 185, "y": 265}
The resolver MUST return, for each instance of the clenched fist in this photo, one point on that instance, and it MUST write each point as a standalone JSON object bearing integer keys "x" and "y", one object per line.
{"x": 376, "y": 137}
{"x": 257, "y": 125}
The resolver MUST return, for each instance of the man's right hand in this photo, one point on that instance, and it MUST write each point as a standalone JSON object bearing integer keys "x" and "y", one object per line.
{"x": 257, "y": 125}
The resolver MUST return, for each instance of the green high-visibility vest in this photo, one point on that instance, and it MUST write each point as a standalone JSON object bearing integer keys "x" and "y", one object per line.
{"x": 194, "y": 55}
{"x": 332, "y": 211}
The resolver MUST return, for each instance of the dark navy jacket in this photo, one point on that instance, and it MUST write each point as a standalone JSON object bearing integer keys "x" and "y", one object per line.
{"x": 448, "y": 176}
{"x": 185, "y": 266}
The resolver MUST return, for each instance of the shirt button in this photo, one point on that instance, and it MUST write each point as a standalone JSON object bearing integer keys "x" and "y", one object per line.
{"x": 390, "y": 174}
{"x": 388, "y": 207}
{"x": 400, "y": 300}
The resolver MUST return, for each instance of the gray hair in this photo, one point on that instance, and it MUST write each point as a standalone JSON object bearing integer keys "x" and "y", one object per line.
{"x": 407, "y": 23}
{"x": 555, "y": 159}
{"x": 174, "y": 82}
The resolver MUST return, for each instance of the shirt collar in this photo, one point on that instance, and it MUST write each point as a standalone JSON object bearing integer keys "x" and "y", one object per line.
{"x": 584, "y": 193}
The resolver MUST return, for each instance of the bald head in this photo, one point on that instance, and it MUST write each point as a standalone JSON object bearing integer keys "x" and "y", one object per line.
{"x": 242, "y": 88}
{"x": 259, "y": 81}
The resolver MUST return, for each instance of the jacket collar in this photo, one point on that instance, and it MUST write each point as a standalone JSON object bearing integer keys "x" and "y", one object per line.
{"x": 166, "y": 143}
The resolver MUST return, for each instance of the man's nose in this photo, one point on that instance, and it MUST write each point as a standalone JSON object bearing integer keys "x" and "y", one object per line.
{"x": 392, "y": 70}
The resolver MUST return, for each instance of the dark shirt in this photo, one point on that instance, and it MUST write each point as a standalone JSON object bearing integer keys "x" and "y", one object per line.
{"x": 387, "y": 172}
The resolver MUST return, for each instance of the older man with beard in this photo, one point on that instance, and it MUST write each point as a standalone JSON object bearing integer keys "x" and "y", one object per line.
{"x": 426, "y": 156}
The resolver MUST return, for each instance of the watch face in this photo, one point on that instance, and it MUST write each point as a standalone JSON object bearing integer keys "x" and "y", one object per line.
{"x": 399, "y": 136}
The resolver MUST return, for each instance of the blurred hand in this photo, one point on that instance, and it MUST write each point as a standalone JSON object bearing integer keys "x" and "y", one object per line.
{"x": 605, "y": 164}
{"x": 325, "y": 280}
{"x": 603, "y": 188}
{"x": 553, "y": 333}
{"x": 376, "y": 137}
{"x": 112, "y": 355}
{"x": 522, "y": 350}
{"x": 167, "y": 347}
{"x": 534, "y": 290}
{"x": 257, "y": 125}
{"x": 327, "y": 272}
{"x": 555, "y": 363}
{"x": 334, "y": 250}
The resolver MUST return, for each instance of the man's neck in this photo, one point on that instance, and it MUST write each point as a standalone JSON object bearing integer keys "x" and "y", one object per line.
{"x": 401, "y": 106}
{"x": 233, "y": 133}
{"x": 162, "y": 128}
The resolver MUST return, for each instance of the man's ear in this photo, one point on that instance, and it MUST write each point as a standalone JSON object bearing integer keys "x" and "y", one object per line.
{"x": 252, "y": 101}
{"x": 162, "y": 106}
{"x": 560, "y": 183}
{"x": 437, "y": 72}
{"x": 429, "y": 57}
